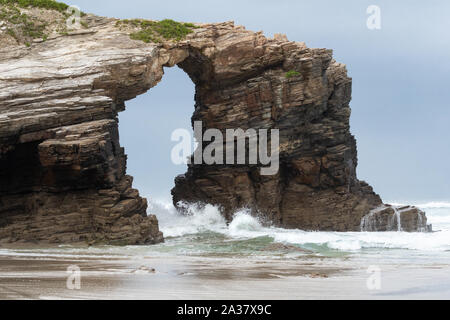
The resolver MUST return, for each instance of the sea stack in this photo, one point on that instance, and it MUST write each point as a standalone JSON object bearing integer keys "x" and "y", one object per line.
{"x": 63, "y": 172}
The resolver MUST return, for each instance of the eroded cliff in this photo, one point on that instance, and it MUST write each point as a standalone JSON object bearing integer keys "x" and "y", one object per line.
{"x": 62, "y": 169}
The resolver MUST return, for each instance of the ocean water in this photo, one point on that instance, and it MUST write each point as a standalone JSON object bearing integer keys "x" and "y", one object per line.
{"x": 204, "y": 231}
{"x": 204, "y": 234}
{"x": 204, "y": 257}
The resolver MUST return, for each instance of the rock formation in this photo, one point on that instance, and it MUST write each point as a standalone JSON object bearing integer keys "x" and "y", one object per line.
{"x": 62, "y": 169}
{"x": 392, "y": 218}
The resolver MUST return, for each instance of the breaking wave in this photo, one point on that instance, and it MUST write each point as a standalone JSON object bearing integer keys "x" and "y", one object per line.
{"x": 207, "y": 219}
{"x": 204, "y": 231}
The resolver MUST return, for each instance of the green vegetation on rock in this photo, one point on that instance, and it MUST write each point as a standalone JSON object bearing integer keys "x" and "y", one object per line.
{"x": 292, "y": 73}
{"x": 22, "y": 25}
{"x": 157, "y": 31}
{"x": 27, "y": 20}
{"x": 43, "y": 4}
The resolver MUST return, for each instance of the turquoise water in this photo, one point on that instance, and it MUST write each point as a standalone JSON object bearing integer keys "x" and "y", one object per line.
{"x": 204, "y": 233}
{"x": 207, "y": 231}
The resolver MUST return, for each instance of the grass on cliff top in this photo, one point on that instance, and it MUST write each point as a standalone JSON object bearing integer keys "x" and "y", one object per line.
{"x": 21, "y": 26}
{"x": 25, "y": 25}
{"x": 156, "y": 31}
{"x": 43, "y": 4}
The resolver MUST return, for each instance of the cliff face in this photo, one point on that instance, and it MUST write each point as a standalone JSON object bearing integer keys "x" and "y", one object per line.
{"x": 63, "y": 172}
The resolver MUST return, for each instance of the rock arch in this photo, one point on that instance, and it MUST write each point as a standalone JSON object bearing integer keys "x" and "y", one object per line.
{"x": 63, "y": 171}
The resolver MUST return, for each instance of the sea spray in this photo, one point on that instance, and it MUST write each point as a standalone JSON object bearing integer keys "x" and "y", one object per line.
{"x": 420, "y": 223}
{"x": 395, "y": 221}
{"x": 370, "y": 221}
{"x": 245, "y": 225}
{"x": 243, "y": 232}
{"x": 196, "y": 218}
{"x": 376, "y": 219}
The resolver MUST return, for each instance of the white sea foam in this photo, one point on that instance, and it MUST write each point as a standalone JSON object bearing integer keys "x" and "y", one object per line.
{"x": 437, "y": 212}
{"x": 197, "y": 219}
{"x": 431, "y": 205}
{"x": 182, "y": 232}
{"x": 422, "y": 205}
{"x": 245, "y": 226}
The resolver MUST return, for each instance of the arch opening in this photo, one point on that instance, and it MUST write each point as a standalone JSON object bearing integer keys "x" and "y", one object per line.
{"x": 145, "y": 132}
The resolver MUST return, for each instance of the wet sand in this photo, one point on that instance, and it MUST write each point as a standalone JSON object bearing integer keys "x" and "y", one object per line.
{"x": 185, "y": 277}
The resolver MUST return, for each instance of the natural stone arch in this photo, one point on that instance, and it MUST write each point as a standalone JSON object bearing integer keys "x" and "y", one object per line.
{"x": 59, "y": 104}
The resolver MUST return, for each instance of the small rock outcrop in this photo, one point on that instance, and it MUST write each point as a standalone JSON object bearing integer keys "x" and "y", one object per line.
{"x": 63, "y": 172}
{"x": 395, "y": 218}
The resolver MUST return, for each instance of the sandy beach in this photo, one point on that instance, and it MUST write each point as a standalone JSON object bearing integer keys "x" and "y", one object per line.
{"x": 204, "y": 258}
{"x": 44, "y": 276}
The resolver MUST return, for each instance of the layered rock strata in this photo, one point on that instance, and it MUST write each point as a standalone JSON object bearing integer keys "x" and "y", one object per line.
{"x": 63, "y": 172}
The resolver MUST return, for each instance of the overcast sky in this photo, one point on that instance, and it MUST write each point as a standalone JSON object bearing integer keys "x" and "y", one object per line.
{"x": 400, "y": 106}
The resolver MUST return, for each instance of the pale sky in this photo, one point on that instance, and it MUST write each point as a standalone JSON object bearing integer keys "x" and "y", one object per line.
{"x": 401, "y": 78}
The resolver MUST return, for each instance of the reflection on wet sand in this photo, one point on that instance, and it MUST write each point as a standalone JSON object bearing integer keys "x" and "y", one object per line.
{"x": 32, "y": 275}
